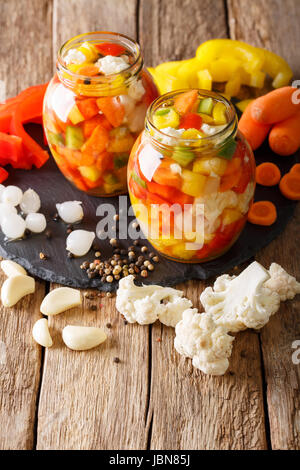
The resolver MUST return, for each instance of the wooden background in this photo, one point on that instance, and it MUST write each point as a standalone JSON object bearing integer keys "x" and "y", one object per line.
{"x": 152, "y": 399}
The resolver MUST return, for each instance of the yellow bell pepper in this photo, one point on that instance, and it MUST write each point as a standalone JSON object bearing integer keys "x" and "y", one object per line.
{"x": 224, "y": 68}
{"x": 242, "y": 105}
{"x": 180, "y": 251}
{"x": 207, "y": 165}
{"x": 187, "y": 72}
{"x": 233, "y": 86}
{"x": 120, "y": 144}
{"x": 90, "y": 172}
{"x": 75, "y": 115}
{"x": 204, "y": 79}
{"x": 192, "y": 183}
{"x": 89, "y": 51}
{"x": 219, "y": 114}
{"x": 166, "y": 117}
{"x": 277, "y": 68}
{"x": 231, "y": 215}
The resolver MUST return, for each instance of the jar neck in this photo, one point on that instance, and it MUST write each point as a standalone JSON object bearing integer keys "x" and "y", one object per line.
{"x": 111, "y": 84}
{"x": 164, "y": 142}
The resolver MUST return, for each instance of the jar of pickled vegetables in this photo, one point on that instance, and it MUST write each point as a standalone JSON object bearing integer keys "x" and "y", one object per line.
{"x": 94, "y": 109}
{"x": 191, "y": 176}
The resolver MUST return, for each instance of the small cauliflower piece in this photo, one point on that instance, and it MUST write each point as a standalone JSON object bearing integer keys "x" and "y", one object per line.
{"x": 111, "y": 64}
{"x": 281, "y": 282}
{"x": 207, "y": 344}
{"x": 136, "y": 90}
{"x": 240, "y": 302}
{"x": 146, "y": 304}
{"x": 74, "y": 56}
{"x": 245, "y": 198}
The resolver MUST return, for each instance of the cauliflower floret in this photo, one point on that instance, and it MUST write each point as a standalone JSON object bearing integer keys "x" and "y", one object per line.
{"x": 136, "y": 118}
{"x": 281, "y": 282}
{"x": 74, "y": 57}
{"x": 147, "y": 304}
{"x": 209, "y": 345}
{"x": 136, "y": 90}
{"x": 240, "y": 302}
{"x": 111, "y": 64}
{"x": 214, "y": 204}
{"x": 245, "y": 198}
{"x": 170, "y": 133}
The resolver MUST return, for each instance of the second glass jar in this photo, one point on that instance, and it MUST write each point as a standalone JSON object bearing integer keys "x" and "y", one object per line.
{"x": 95, "y": 108}
{"x": 191, "y": 176}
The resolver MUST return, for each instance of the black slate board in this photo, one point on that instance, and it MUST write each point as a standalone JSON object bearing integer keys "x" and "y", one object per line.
{"x": 53, "y": 187}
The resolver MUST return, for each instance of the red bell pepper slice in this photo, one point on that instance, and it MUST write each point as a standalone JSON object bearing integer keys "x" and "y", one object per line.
{"x": 110, "y": 48}
{"x": 11, "y": 150}
{"x": 3, "y": 175}
{"x": 191, "y": 121}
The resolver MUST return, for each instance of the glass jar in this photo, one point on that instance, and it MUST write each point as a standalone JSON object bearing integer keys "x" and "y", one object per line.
{"x": 191, "y": 191}
{"x": 94, "y": 109}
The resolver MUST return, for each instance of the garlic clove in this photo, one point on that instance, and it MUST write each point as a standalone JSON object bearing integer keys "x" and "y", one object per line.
{"x": 41, "y": 334}
{"x": 79, "y": 242}
{"x": 11, "y": 268}
{"x": 16, "y": 287}
{"x": 59, "y": 300}
{"x": 81, "y": 338}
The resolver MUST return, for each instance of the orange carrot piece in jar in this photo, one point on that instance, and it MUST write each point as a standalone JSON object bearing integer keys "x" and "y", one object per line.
{"x": 88, "y": 107}
{"x": 89, "y": 125}
{"x": 89, "y": 70}
{"x": 97, "y": 143}
{"x": 112, "y": 109}
{"x": 184, "y": 102}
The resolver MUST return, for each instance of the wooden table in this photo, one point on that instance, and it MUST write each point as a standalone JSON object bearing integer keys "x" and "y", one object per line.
{"x": 153, "y": 398}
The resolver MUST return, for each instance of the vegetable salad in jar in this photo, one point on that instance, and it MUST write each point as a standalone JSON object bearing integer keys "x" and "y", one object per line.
{"x": 94, "y": 109}
{"x": 191, "y": 176}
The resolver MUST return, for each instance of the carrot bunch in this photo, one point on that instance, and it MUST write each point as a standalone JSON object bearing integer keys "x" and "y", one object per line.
{"x": 276, "y": 114}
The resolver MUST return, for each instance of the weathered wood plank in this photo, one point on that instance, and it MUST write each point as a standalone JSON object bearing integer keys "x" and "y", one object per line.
{"x": 275, "y": 25}
{"x": 189, "y": 410}
{"x": 87, "y": 401}
{"x": 172, "y": 30}
{"x": 25, "y": 59}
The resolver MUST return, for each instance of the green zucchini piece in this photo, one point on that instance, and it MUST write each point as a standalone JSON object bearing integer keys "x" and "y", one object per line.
{"x": 74, "y": 137}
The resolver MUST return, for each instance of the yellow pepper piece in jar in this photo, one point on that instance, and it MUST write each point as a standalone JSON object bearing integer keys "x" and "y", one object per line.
{"x": 204, "y": 79}
{"x": 192, "y": 134}
{"x": 75, "y": 115}
{"x": 180, "y": 251}
{"x": 219, "y": 114}
{"x": 192, "y": 183}
{"x": 90, "y": 172}
{"x": 166, "y": 117}
{"x": 89, "y": 50}
{"x": 121, "y": 144}
{"x": 207, "y": 165}
{"x": 231, "y": 215}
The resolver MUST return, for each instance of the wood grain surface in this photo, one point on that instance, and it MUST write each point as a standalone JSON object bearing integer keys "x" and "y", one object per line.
{"x": 152, "y": 398}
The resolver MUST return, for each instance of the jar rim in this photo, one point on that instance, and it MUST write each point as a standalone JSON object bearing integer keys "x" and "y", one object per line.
{"x": 232, "y": 115}
{"x": 126, "y": 41}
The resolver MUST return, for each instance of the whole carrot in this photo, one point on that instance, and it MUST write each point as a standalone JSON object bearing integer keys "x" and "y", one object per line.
{"x": 275, "y": 106}
{"x": 254, "y": 132}
{"x": 284, "y": 137}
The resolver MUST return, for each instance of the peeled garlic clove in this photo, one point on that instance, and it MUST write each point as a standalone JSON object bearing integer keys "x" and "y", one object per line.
{"x": 41, "y": 334}
{"x": 16, "y": 287}
{"x": 36, "y": 222}
{"x": 6, "y": 209}
{"x": 70, "y": 211}
{"x": 12, "y": 195}
{"x": 81, "y": 338}
{"x": 30, "y": 202}
{"x": 13, "y": 226}
{"x": 11, "y": 268}
{"x": 79, "y": 242}
{"x": 59, "y": 300}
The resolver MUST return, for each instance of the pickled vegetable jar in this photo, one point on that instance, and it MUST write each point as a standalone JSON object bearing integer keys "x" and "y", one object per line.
{"x": 95, "y": 108}
{"x": 191, "y": 176}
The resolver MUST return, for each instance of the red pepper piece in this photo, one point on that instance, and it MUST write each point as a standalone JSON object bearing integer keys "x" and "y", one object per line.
{"x": 191, "y": 121}
{"x": 110, "y": 48}
{"x": 138, "y": 191}
{"x": 112, "y": 109}
{"x": 3, "y": 175}
{"x": 11, "y": 150}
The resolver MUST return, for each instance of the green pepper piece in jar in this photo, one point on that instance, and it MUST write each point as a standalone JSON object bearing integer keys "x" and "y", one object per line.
{"x": 110, "y": 178}
{"x": 228, "y": 149}
{"x": 138, "y": 180}
{"x": 55, "y": 139}
{"x": 183, "y": 156}
{"x": 121, "y": 160}
{"x": 206, "y": 106}
{"x": 74, "y": 137}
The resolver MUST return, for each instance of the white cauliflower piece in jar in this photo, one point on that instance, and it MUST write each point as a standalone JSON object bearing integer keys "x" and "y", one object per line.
{"x": 281, "y": 282}
{"x": 111, "y": 64}
{"x": 170, "y": 132}
{"x": 136, "y": 118}
{"x": 245, "y": 198}
{"x": 214, "y": 204}
{"x": 136, "y": 90}
{"x": 74, "y": 56}
{"x": 208, "y": 344}
{"x": 146, "y": 304}
{"x": 240, "y": 302}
